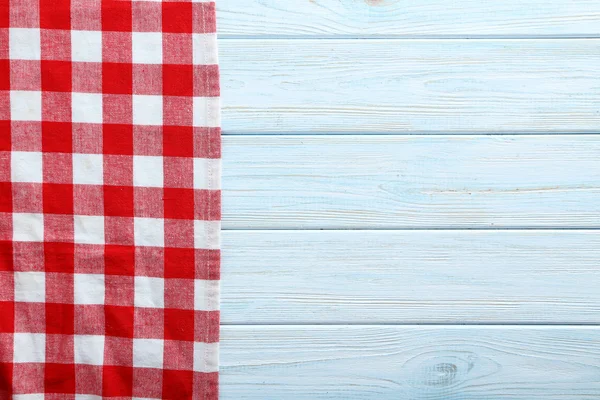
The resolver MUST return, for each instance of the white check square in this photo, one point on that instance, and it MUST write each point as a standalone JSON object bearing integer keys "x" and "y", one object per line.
{"x": 30, "y": 287}
{"x": 24, "y": 44}
{"x": 149, "y": 232}
{"x": 204, "y": 49}
{"x": 86, "y": 46}
{"x": 89, "y": 288}
{"x": 89, "y": 349}
{"x": 149, "y": 292}
{"x": 147, "y": 47}
{"x": 26, "y": 166}
{"x": 148, "y": 353}
{"x": 206, "y": 357}
{"x": 207, "y": 112}
{"x": 88, "y": 169}
{"x": 30, "y": 396}
{"x": 206, "y": 295}
{"x": 89, "y": 229}
{"x": 25, "y": 105}
{"x": 207, "y": 173}
{"x": 87, "y": 107}
{"x": 147, "y": 109}
{"x": 207, "y": 234}
{"x": 148, "y": 171}
{"x": 28, "y": 227}
{"x": 29, "y": 347}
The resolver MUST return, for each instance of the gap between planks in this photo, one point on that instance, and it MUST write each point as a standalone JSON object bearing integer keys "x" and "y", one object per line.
{"x": 416, "y": 133}
{"x": 487, "y": 325}
{"x": 418, "y": 228}
{"x": 406, "y": 37}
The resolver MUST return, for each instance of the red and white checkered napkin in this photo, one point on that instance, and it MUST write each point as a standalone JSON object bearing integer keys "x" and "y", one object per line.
{"x": 109, "y": 199}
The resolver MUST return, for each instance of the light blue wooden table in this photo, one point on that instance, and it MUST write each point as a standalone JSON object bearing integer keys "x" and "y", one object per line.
{"x": 411, "y": 199}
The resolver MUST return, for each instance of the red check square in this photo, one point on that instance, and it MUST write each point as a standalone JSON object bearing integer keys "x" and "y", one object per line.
{"x": 179, "y": 383}
{"x": 178, "y": 141}
{"x": 117, "y": 381}
{"x": 6, "y": 197}
{"x": 59, "y": 257}
{"x": 57, "y": 137}
{"x": 7, "y": 310}
{"x": 117, "y": 78}
{"x": 55, "y": 14}
{"x": 179, "y": 263}
{"x": 60, "y": 318}
{"x": 118, "y": 201}
{"x": 119, "y": 321}
{"x": 177, "y": 17}
{"x": 58, "y": 198}
{"x": 179, "y": 203}
{"x": 5, "y": 73}
{"x": 178, "y": 80}
{"x": 117, "y": 139}
{"x": 116, "y": 16}
{"x": 56, "y": 76}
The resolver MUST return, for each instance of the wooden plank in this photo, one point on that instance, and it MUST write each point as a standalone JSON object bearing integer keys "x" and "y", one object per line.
{"x": 410, "y": 277}
{"x": 365, "y": 182}
{"x": 410, "y": 363}
{"x": 412, "y": 18}
{"x": 410, "y": 86}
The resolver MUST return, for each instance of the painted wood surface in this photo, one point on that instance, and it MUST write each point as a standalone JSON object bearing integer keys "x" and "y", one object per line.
{"x": 410, "y": 86}
{"x": 365, "y": 182}
{"x": 412, "y": 18}
{"x": 352, "y": 277}
{"x": 381, "y": 167}
{"x": 410, "y": 363}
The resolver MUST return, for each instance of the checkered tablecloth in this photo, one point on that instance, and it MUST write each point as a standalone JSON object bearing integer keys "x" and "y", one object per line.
{"x": 109, "y": 199}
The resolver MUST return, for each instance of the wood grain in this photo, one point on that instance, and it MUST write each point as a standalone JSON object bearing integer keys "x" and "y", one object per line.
{"x": 408, "y": 86}
{"x": 393, "y": 182}
{"x": 439, "y": 222}
{"x": 323, "y": 277}
{"x": 410, "y": 363}
{"x": 412, "y": 18}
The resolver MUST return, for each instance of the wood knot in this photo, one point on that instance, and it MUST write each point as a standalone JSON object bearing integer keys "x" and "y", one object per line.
{"x": 431, "y": 372}
{"x": 442, "y": 374}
